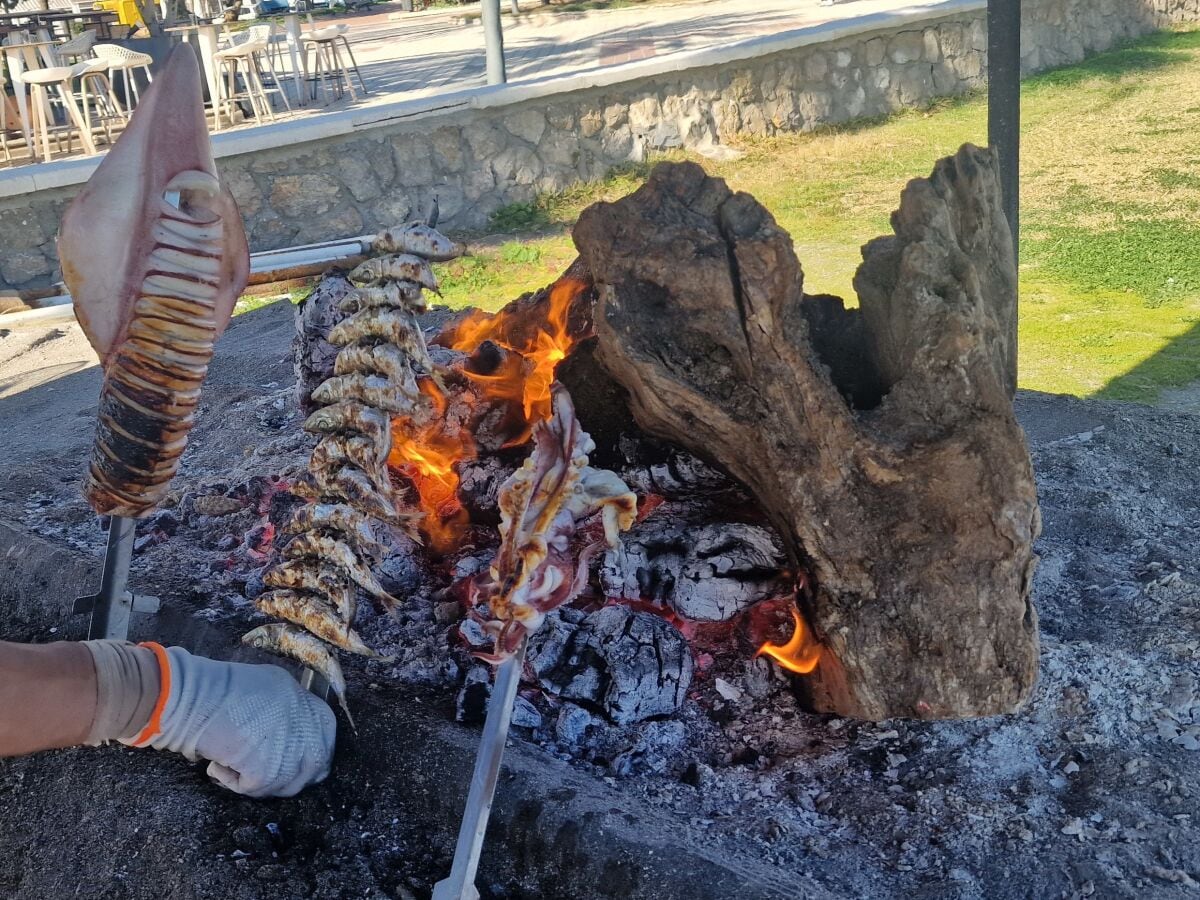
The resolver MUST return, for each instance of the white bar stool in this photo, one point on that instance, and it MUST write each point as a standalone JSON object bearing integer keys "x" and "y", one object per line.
{"x": 250, "y": 51}
{"x": 41, "y": 82}
{"x": 326, "y": 45}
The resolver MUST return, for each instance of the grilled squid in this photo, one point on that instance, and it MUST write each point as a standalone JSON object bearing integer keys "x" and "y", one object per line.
{"x": 543, "y": 504}
{"x": 154, "y": 255}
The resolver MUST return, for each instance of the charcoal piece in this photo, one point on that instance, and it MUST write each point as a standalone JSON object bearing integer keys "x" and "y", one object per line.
{"x": 312, "y": 355}
{"x": 526, "y": 715}
{"x": 630, "y": 665}
{"x": 548, "y": 645}
{"x": 706, "y": 573}
{"x": 675, "y": 474}
{"x": 472, "y": 703}
{"x": 479, "y": 488}
{"x": 282, "y": 506}
{"x": 572, "y": 726}
{"x": 400, "y": 572}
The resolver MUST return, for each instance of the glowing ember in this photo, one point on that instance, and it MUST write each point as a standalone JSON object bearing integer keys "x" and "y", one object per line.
{"x": 427, "y": 455}
{"x": 800, "y": 654}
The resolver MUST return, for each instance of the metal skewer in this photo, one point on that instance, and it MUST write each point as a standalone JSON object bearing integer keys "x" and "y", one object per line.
{"x": 460, "y": 885}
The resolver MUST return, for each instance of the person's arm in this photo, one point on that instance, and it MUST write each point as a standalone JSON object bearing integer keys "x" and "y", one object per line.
{"x": 47, "y": 696}
{"x": 264, "y": 734}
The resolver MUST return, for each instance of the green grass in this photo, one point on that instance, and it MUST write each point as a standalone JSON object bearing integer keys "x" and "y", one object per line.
{"x": 1110, "y": 268}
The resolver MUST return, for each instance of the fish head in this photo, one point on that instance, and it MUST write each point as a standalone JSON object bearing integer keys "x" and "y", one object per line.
{"x": 265, "y": 637}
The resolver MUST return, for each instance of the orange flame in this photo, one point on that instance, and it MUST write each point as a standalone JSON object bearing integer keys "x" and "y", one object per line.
{"x": 800, "y": 654}
{"x": 427, "y": 455}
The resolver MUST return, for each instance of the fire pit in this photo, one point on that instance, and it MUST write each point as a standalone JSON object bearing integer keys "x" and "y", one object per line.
{"x": 835, "y": 507}
{"x": 1085, "y": 792}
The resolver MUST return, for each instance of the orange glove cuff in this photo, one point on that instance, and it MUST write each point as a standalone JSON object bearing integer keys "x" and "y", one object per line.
{"x": 154, "y": 726}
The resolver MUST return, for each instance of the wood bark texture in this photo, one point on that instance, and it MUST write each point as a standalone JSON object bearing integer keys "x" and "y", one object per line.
{"x": 882, "y": 442}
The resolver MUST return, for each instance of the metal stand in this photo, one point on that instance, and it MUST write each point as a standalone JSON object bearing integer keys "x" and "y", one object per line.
{"x": 112, "y": 605}
{"x": 461, "y": 883}
{"x": 1004, "y": 119}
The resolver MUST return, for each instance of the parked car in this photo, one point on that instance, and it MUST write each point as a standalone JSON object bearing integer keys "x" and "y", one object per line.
{"x": 271, "y": 7}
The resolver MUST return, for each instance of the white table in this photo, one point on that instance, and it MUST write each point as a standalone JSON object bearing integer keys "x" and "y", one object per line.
{"x": 291, "y": 27}
{"x": 24, "y": 53}
{"x": 205, "y": 36}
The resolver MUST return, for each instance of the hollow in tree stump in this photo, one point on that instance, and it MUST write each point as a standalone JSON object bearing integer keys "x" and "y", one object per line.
{"x": 912, "y": 503}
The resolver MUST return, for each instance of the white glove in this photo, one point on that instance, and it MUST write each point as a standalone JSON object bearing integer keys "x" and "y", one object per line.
{"x": 264, "y": 734}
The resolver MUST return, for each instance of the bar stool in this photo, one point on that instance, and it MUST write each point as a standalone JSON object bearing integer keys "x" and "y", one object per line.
{"x": 96, "y": 92}
{"x": 41, "y": 82}
{"x": 4, "y": 148}
{"x": 123, "y": 60}
{"x": 250, "y": 51}
{"x": 327, "y": 64}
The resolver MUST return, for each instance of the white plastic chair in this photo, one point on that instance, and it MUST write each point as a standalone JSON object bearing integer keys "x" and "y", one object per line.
{"x": 56, "y": 79}
{"x": 123, "y": 60}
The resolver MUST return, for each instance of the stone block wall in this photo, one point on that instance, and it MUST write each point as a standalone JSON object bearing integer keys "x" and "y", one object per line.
{"x": 476, "y": 160}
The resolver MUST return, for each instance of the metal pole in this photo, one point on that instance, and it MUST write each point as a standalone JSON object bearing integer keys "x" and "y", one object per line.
{"x": 460, "y": 885}
{"x": 493, "y": 38}
{"x": 1004, "y": 121}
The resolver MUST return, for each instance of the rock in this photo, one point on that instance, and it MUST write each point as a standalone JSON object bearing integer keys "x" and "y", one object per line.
{"x": 472, "y": 702}
{"x": 447, "y": 145}
{"x": 527, "y": 124}
{"x": 21, "y": 266}
{"x": 906, "y": 47}
{"x": 304, "y": 196}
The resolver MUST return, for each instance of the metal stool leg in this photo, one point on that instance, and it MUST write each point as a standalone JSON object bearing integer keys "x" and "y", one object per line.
{"x": 341, "y": 69}
{"x": 354, "y": 64}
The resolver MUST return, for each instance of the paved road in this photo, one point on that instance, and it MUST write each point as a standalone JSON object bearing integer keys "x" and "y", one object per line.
{"x": 421, "y": 55}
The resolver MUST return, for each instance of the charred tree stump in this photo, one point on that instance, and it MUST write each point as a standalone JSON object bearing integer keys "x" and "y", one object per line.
{"x": 916, "y": 510}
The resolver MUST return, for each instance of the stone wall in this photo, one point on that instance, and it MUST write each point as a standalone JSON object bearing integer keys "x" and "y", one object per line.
{"x": 506, "y": 146}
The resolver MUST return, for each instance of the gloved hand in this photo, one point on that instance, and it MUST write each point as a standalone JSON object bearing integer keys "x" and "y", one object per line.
{"x": 264, "y": 734}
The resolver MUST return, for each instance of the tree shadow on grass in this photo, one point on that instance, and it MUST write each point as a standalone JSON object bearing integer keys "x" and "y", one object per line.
{"x": 1147, "y": 54}
{"x": 1175, "y": 365}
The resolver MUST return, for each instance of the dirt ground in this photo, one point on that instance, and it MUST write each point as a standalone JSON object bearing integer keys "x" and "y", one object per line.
{"x": 1089, "y": 791}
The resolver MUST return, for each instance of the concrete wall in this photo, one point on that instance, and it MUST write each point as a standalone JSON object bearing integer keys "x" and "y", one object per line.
{"x": 349, "y": 173}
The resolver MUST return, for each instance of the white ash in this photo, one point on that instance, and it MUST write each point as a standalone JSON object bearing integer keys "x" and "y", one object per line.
{"x": 706, "y": 573}
{"x": 632, "y": 665}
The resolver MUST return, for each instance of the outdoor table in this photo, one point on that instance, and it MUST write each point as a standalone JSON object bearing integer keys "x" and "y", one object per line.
{"x": 291, "y": 27}
{"x": 20, "y": 57}
{"x": 204, "y": 35}
{"x": 49, "y": 19}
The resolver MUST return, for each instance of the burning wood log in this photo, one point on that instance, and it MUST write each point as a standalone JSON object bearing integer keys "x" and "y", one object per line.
{"x": 916, "y": 511}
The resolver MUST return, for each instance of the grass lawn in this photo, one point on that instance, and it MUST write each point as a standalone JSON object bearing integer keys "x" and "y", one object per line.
{"x": 1110, "y": 244}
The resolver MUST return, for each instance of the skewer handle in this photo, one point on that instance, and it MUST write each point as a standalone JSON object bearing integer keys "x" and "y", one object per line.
{"x": 461, "y": 883}
{"x": 113, "y": 604}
